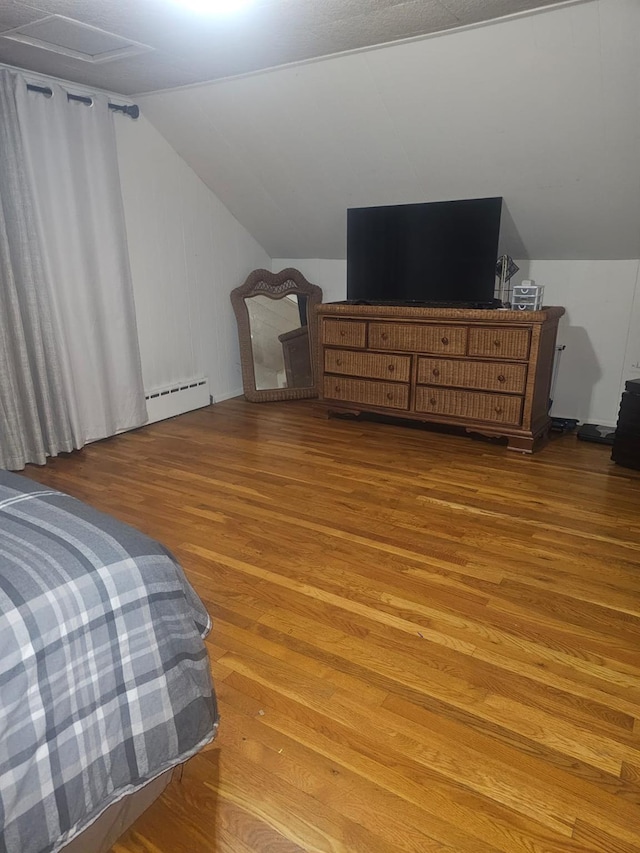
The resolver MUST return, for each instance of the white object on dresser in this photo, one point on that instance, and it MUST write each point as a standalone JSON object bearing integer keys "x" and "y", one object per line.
{"x": 527, "y": 296}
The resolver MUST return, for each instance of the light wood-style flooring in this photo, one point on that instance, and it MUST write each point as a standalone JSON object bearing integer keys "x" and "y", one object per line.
{"x": 421, "y": 642}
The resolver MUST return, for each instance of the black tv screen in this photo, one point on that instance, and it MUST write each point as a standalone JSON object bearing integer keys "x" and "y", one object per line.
{"x": 434, "y": 252}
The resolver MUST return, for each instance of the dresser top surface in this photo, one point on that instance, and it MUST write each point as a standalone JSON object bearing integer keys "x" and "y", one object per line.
{"x": 411, "y": 313}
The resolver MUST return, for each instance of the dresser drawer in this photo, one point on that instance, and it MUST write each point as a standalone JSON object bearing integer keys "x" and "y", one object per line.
{"x": 500, "y": 343}
{"x": 388, "y": 395}
{"x": 371, "y": 365}
{"x": 487, "y": 376}
{"x": 346, "y": 333}
{"x": 413, "y": 337}
{"x": 469, "y": 405}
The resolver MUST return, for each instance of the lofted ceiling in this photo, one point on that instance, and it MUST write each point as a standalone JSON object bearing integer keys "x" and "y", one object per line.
{"x": 183, "y": 47}
{"x": 543, "y": 110}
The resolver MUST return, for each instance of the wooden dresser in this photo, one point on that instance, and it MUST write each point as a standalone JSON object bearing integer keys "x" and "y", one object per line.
{"x": 486, "y": 371}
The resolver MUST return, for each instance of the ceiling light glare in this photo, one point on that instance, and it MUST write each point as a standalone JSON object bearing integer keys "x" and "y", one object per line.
{"x": 214, "y": 7}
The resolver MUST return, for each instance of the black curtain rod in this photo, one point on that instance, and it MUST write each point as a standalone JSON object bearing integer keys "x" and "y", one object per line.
{"x": 132, "y": 110}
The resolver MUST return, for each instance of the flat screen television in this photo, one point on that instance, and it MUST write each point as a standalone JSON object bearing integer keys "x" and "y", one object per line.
{"x": 439, "y": 252}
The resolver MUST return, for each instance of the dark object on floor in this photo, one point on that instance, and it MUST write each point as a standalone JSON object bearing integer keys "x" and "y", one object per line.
{"x": 563, "y": 424}
{"x": 595, "y": 432}
{"x": 626, "y": 445}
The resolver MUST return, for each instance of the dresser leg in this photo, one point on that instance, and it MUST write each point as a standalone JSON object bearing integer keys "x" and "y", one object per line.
{"x": 352, "y": 413}
{"x": 520, "y": 443}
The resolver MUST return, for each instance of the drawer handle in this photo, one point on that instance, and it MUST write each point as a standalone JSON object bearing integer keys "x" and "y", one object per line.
{"x": 343, "y": 332}
{"x": 498, "y": 410}
{"x": 433, "y": 401}
{"x": 338, "y": 361}
{"x": 445, "y": 340}
{"x": 384, "y": 336}
{"x": 389, "y": 396}
{"x": 501, "y": 378}
{"x": 337, "y": 389}
{"x": 496, "y": 343}
{"x": 391, "y": 368}
{"x": 435, "y": 371}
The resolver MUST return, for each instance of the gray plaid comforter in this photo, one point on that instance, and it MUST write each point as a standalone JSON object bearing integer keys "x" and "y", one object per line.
{"x": 104, "y": 677}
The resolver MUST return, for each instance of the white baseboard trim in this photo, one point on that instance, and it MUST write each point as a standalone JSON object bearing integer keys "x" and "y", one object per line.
{"x": 220, "y": 398}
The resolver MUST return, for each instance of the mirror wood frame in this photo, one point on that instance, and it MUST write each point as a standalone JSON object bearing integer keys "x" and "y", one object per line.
{"x": 275, "y": 286}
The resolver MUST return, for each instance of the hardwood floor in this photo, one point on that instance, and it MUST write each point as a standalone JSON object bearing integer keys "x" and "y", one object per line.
{"x": 421, "y": 642}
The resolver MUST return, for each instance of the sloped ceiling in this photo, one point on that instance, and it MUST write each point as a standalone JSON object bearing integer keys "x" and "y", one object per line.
{"x": 543, "y": 110}
{"x": 188, "y": 47}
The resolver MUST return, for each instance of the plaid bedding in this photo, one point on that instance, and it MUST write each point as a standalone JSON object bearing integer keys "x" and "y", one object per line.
{"x": 104, "y": 677}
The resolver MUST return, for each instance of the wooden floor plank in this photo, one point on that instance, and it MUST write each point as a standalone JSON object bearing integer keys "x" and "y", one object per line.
{"x": 421, "y": 642}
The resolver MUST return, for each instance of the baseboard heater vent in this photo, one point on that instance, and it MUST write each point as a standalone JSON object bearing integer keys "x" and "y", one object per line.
{"x": 177, "y": 399}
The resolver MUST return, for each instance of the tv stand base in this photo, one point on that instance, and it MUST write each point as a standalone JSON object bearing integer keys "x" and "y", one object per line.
{"x": 520, "y": 443}
{"x": 482, "y": 372}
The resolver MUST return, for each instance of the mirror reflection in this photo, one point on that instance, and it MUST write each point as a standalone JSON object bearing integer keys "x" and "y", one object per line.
{"x": 280, "y": 341}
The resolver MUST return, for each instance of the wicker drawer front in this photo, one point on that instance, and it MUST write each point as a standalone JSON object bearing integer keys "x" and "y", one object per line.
{"x": 488, "y": 376}
{"x": 381, "y": 394}
{"x": 411, "y": 337}
{"x": 347, "y": 333}
{"x": 372, "y": 365}
{"x": 500, "y": 343}
{"x": 469, "y": 405}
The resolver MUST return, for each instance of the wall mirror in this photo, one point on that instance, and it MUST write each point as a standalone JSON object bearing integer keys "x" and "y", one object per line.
{"x": 277, "y": 331}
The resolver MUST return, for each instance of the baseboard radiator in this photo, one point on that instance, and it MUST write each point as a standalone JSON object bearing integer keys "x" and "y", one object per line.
{"x": 176, "y": 399}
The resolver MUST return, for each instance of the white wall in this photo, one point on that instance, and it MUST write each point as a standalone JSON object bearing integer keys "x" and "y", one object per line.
{"x": 601, "y": 328}
{"x": 543, "y": 110}
{"x": 187, "y": 253}
{"x": 632, "y": 356}
{"x": 330, "y": 275}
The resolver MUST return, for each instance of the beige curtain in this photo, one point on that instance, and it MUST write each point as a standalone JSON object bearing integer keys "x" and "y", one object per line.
{"x": 33, "y": 419}
{"x": 70, "y": 370}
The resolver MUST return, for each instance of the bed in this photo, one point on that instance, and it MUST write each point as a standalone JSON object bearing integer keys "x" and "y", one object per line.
{"x": 104, "y": 677}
